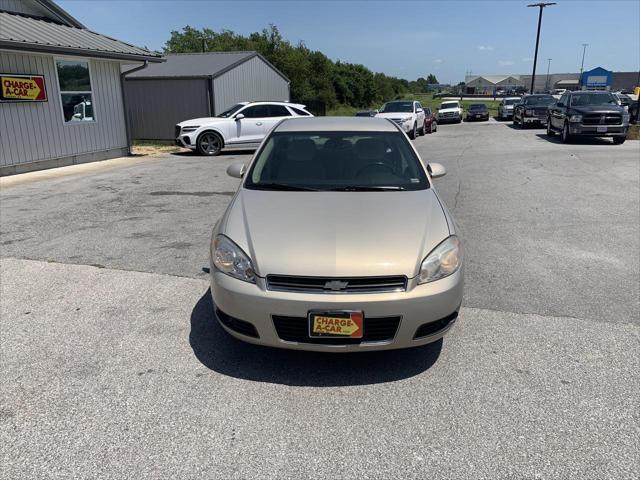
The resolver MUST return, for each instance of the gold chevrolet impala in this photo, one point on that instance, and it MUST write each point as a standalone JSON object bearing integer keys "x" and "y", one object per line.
{"x": 336, "y": 241}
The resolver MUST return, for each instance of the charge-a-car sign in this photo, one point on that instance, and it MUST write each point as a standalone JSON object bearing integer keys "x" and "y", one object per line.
{"x": 22, "y": 88}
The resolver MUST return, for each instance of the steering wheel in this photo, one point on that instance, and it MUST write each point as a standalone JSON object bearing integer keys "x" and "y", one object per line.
{"x": 377, "y": 166}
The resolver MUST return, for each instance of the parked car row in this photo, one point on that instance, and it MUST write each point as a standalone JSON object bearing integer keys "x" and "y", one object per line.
{"x": 578, "y": 113}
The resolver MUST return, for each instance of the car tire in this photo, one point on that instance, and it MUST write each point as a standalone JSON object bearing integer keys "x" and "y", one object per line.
{"x": 423, "y": 130}
{"x": 550, "y": 132}
{"x": 209, "y": 144}
{"x": 566, "y": 136}
{"x": 515, "y": 120}
{"x": 413, "y": 133}
{"x": 619, "y": 140}
{"x": 430, "y": 129}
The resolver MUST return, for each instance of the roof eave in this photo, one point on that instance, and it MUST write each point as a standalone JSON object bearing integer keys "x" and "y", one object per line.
{"x": 61, "y": 13}
{"x": 83, "y": 52}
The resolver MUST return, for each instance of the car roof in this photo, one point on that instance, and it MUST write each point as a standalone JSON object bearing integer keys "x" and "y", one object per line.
{"x": 329, "y": 124}
{"x": 584, "y": 92}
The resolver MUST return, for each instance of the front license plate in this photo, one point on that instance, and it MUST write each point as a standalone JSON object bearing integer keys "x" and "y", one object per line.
{"x": 336, "y": 324}
{"x": 602, "y": 129}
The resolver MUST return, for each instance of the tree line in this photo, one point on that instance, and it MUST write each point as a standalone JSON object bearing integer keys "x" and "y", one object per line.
{"x": 314, "y": 77}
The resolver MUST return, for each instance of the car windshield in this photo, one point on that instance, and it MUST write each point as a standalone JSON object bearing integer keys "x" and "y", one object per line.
{"x": 231, "y": 111}
{"x": 397, "y": 107}
{"x": 477, "y": 106}
{"x": 336, "y": 161}
{"x": 584, "y": 99}
{"x": 541, "y": 100}
{"x": 448, "y": 105}
{"x": 513, "y": 101}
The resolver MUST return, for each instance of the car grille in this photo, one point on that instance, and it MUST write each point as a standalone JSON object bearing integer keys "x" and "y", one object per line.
{"x": 448, "y": 114}
{"x": 430, "y": 328}
{"x": 239, "y": 326}
{"x": 602, "y": 119}
{"x": 296, "y": 329}
{"x": 177, "y": 131}
{"x": 288, "y": 283}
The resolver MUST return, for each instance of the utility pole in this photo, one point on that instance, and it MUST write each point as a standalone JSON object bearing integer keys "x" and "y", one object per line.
{"x": 535, "y": 57}
{"x": 546, "y": 84}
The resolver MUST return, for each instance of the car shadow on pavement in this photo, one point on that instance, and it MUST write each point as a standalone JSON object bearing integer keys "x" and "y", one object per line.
{"x": 575, "y": 140}
{"x": 222, "y": 353}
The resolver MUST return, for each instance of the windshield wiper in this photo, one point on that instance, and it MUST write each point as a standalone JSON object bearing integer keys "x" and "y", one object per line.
{"x": 282, "y": 186}
{"x": 367, "y": 188}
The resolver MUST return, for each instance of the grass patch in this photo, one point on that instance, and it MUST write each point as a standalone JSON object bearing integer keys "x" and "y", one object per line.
{"x": 634, "y": 132}
{"x": 343, "y": 111}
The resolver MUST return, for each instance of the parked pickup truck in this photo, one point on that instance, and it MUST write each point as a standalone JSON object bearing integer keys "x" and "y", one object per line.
{"x": 588, "y": 113}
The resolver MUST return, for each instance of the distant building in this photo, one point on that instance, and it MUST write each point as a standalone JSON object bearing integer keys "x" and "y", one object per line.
{"x": 600, "y": 78}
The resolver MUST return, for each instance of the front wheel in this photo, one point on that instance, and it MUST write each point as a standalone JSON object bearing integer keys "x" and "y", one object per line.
{"x": 413, "y": 132}
{"x": 619, "y": 140}
{"x": 209, "y": 144}
{"x": 566, "y": 136}
{"x": 423, "y": 130}
{"x": 550, "y": 132}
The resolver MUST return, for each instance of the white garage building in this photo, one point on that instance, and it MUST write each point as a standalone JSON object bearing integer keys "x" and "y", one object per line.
{"x": 61, "y": 97}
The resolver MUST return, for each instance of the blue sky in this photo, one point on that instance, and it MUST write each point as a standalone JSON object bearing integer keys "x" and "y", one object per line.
{"x": 402, "y": 38}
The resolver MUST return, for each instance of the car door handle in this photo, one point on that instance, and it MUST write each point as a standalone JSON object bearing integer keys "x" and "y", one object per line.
{"x": 259, "y": 123}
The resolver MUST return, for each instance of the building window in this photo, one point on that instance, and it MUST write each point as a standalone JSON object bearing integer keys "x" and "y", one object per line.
{"x": 75, "y": 91}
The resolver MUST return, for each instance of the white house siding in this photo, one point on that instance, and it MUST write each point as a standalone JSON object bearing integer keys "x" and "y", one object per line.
{"x": 252, "y": 80}
{"x": 33, "y": 132}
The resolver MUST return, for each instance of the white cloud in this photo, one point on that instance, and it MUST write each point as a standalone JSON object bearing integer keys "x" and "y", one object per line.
{"x": 438, "y": 60}
{"x": 527, "y": 59}
{"x": 505, "y": 63}
{"x": 485, "y": 47}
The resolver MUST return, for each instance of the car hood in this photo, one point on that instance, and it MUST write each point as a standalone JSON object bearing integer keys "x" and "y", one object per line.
{"x": 394, "y": 115}
{"x": 202, "y": 121}
{"x": 336, "y": 234}
{"x": 447, "y": 110}
{"x": 598, "y": 108}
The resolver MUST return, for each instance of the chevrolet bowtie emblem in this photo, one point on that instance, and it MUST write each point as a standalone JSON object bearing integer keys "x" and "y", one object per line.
{"x": 335, "y": 285}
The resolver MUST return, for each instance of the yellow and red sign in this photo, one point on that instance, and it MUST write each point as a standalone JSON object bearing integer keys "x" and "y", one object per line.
{"x": 342, "y": 325}
{"x": 22, "y": 88}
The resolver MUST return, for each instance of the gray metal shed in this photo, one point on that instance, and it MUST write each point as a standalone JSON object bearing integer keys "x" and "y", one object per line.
{"x": 192, "y": 85}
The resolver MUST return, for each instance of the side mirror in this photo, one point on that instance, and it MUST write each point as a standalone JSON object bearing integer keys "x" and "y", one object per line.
{"x": 436, "y": 170}
{"x": 239, "y": 116}
{"x": 236, "y": 170}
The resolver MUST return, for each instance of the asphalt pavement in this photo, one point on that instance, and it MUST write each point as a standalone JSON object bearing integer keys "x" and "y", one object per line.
{"x": 113, "y": 366}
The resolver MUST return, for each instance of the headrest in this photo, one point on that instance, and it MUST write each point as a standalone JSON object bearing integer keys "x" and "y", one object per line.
{"x": 370, "y": 149}
{"x": 302, "y": 150}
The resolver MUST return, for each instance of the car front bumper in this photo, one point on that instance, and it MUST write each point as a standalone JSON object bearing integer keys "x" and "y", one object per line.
{"x": 538, "y": 119}
{"x": 419, "y": 305}
{"x": 610, "y": 130}
{"x": 184, "y": 141}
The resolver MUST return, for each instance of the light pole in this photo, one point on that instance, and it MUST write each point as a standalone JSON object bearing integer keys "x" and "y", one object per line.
{"x": 546, "y": 84}
{"x": 535, "y": 56}
{"x": 584, "y": 50}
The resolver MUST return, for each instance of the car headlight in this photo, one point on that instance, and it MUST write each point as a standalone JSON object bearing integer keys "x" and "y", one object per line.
{"x": 231, "y": 260}
{"x": 575, "y": 118}
{"x": 444, "y": 260}
{"x": 625, "y": 117}
{"x": 190, "y": 129}
{"x": 405, "y": 119}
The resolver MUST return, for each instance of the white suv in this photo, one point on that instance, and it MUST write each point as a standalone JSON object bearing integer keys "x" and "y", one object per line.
{"x": 450, "y": 111}
{"x": 242, "y": 126}
{"x": 407, "y": 114}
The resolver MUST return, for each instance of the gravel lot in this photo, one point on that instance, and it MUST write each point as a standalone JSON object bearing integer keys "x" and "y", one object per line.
{"x": 113, "y": 367}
